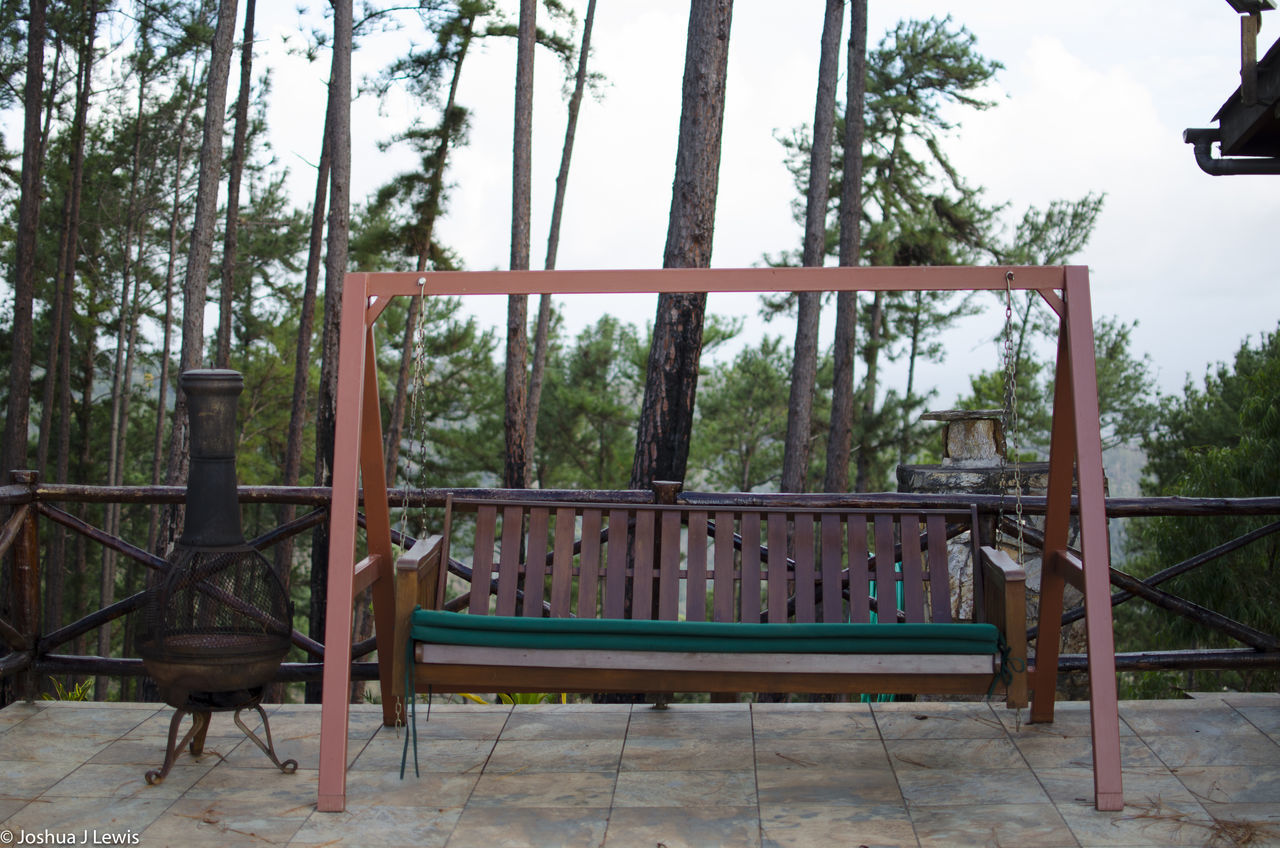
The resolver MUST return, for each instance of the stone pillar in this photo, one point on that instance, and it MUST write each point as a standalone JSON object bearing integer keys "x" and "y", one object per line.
{"x": 973, "y": 462}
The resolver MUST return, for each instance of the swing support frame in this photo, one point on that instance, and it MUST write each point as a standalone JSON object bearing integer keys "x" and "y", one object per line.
{"x": 1075, "y": 456}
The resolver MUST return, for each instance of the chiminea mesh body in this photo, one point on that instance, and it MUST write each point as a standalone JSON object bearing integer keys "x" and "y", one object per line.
{"x": 216, "y": 623}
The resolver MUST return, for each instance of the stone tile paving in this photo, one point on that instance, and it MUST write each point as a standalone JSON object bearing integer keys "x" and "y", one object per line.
{"x": 1201, "y": 771}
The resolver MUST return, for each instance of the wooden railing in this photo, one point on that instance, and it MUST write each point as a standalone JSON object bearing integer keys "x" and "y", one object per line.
{"x": 31, "y": 651}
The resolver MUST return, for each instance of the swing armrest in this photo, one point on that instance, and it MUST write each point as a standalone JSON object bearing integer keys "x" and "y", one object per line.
{"x": 417, "y": 574}
{"x": 1006, "y": 603}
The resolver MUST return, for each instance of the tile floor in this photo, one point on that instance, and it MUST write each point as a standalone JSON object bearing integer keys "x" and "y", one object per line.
{"x": 1203, "y": 771}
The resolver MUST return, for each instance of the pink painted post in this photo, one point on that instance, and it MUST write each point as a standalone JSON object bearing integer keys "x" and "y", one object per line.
{"x": 334, "y": 710}
{"x": 1104, "y": 709}
{"x": 377, "y": 514}
{"x": 1057, "y": 524}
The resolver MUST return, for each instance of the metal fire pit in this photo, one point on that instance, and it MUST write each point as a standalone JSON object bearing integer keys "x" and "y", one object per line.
{"x": 216, "y": 623}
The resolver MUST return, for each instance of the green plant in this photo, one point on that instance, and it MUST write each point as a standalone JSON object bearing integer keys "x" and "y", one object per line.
{"x": 521, "y": 698}
{"x": 79, "y": 692}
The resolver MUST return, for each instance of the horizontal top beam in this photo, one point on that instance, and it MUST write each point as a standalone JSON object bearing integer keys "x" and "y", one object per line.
{"x": 676, "y": 280}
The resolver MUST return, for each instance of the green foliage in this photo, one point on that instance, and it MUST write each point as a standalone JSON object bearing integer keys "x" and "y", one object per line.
{"x": 519, "y": 698}
{"x": 1220, "y": 439}
{"x": 742, "y": 420}
{"x": 452, "y": 434}
{"x": 590, "y": 400}
{"x": 919, "y": 210}
{"x": 1229, "y": 424}
{"x": 1125, "y": 384}
{"x": 82, "y": 691}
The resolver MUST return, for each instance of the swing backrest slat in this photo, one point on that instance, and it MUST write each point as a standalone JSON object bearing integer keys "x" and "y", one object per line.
{"x": 805, "y": 556}
{"x": 535, "y": 568}
{"x": 720, "y": 563}
{"x": 589, "y": 570}
{"x": 912, "y": 574}
{"x": 939, "y": 568}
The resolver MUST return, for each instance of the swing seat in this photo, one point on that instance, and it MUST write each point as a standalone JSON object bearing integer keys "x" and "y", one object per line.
{"x": 836, "y": 615}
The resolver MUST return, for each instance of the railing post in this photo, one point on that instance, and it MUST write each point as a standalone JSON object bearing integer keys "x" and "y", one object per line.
{"x": 25, "y": 584}
{"x": 665, "y": 491}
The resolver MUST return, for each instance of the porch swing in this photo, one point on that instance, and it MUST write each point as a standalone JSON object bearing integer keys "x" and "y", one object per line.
{"x": 568, "y": 605}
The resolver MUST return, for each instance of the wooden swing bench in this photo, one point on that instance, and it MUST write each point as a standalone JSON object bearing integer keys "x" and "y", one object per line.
{"x": 587, "y": 597}
{"x": 571, "y": 596}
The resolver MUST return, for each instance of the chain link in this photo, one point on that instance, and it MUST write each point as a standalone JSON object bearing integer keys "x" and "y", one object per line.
{"x": 1011, "y": 407}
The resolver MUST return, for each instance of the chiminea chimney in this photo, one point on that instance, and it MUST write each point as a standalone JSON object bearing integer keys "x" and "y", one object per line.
{"x": 217, "y": 622}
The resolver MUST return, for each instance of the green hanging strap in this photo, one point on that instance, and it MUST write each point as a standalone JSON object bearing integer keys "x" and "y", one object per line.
{"x": 413, "y": 710}
{"x": 1008, "y": 667}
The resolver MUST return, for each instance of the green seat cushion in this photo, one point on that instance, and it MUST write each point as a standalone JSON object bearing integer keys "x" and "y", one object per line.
{"x": 500, "y": 631}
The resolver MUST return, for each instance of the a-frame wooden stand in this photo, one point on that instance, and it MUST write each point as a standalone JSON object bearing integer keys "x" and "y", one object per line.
{"x": 1076, "y": 451}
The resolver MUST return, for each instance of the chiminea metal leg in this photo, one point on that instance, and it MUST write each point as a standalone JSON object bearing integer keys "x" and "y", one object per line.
{"x": 268, "y": 748}
{"x": 199, "y": 725}
{"x": 199, "y": 728}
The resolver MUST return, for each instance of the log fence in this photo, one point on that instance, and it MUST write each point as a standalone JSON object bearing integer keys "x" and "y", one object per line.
{"x": 31, "y": 650}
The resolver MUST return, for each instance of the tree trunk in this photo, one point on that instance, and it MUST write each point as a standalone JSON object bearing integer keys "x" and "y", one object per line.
{"x": 84, "y": 424}
{"x": 55, "y": 367}
{"x": 236, "y": 171}
{"x": 439, "y": 159}
{"x": 913, "y": 353}
{"x": 671, "y": 383}
{"x": 115, "y": 438}
{"x": 302, "y": 352}
{"x": 840, "y": 434}
{"x": 196, "y": 281}
{"x": 60, "y": 375}
{"x": 871, "y": 352}
{"x": 335, "y": 266}
{"x": 515, "y": 466}
{"x": 13, "y": 452}
{"x": 804, "y": 365}
{"x": 162, "y": 384}
{"x": 553, "y": 236}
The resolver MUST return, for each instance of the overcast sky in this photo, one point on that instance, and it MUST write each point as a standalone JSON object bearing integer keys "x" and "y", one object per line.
{"x": 1094, "y": 96}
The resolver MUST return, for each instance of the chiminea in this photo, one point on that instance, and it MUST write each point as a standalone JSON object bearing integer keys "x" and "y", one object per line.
{"x": 216, "y": 622}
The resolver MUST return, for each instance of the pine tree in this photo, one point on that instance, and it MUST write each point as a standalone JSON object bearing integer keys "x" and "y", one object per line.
{"x": 671, "y": 382}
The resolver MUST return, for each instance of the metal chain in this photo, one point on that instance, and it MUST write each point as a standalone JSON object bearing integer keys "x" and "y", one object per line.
{"x": 1011, "y": 406}
{"x": 420, "y": 364}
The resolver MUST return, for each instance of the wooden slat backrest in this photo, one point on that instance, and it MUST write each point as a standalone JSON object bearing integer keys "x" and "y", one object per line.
{"x": 723, "y": 584}
{"x": 696, "y": 568}
{"x": 778, "y": 572}
{"x": 589, "y": 572}
{"x": 886, "y": 591}
{"x": 509, "y": 559}
{"x": 562, "y": 562}
{"x": 832, "y": 562}
{"x": 749, "y": 590}
{"x": 912, "y": 574}
{"x": 535, "y": 563}
{"x": 939, "y": 568}
{"x": 805, "y": 556}
{"x": 859, "y": 571}
{"x": 642, "y": 568}
{"x": 615, "y": 575}
{"x": 482, "y": 563}
{"x": 724, "y": 564}
{"x": 669, "y": 566}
